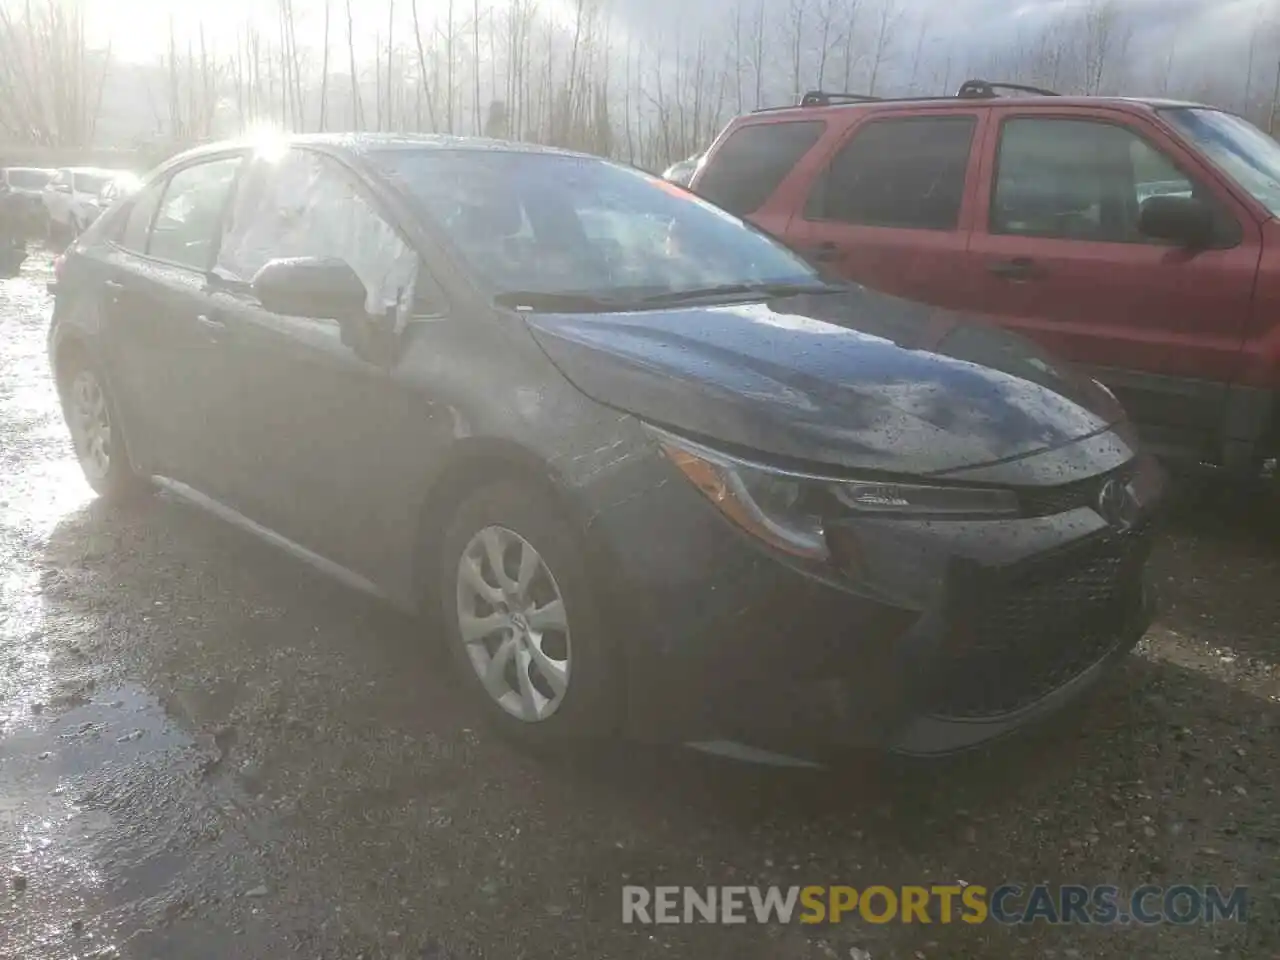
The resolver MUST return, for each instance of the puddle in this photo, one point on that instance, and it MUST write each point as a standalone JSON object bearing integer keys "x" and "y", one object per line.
{"x": 77, "y": 787}
{"x": 42, "y": 485}
{"x": 102, "y": 811}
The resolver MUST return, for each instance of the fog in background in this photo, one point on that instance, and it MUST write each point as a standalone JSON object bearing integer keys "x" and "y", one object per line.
{"x": 645, "y": 80}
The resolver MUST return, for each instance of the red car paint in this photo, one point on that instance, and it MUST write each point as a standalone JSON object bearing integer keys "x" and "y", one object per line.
{"x": 1189, "y": 339}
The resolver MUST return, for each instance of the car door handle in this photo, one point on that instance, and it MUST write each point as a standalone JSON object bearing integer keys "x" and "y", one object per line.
{"x": 213, "y": 323}
{"x": 1019, "y": 269}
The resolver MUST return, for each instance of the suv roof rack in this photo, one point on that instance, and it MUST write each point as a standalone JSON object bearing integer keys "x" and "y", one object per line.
{"x": 969, "y": 90}
{"x": 986, "y": 90}
{"x": 824, "y": 98}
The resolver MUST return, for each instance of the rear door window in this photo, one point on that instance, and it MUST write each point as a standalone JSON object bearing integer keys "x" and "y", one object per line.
{"x": 137, "y": 226}
{"x": 186, "y": 224}
{"x": 748, "y": 167}
{"x": 907, "y": 173}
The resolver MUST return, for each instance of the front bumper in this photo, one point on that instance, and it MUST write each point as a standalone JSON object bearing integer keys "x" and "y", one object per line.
{"x": 726, "y": 642}
{"x": 939, "y": 735}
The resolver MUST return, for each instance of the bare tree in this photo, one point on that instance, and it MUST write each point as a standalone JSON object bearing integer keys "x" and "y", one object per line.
{"x": 887, "y": 17}
{"x": 827, "y": 10}
{"x": 736, "y": 54}
{"x": 923, "y": 30}
{"x": 50, "y": 82}
{"x": 795, "y": 41}
{"x": 757, "y": 60}
{"x": 423, "y": 87}
{"x": 357, "y": 102}
{"x": 1275, "y": 98}
{"x": 1106, "y": 39}
{"x": 391, "y": 50}
{"x": 475, "y": 64}
{"x": 852, "y": 8}
{"x": 324, "y": 71}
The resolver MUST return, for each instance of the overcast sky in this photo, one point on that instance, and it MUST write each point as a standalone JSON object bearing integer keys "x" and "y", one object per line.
{"x": 139, "y": 28}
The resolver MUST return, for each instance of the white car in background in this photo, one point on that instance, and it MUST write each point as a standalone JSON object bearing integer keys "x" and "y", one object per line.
{"x": 117, "y": 188}
{"x": 27, "y": 181}
{"x": 71, "y": 198}
{"x": 24, "y": 187}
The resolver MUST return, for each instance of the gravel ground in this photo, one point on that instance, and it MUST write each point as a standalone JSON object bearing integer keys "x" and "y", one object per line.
{"x": 208, "y": 751}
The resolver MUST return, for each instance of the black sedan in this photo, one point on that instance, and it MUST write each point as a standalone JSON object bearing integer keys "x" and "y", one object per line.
{"x": 649, "y": 470}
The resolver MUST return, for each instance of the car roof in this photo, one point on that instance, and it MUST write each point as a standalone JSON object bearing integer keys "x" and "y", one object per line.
{"x": 364, "y": 143}
{"x": 907, "y": 104}
{"x": 94, "y": 171}
{"x": 46, "y": 170}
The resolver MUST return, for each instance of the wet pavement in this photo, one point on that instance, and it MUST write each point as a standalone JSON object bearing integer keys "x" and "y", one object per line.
{"x": 206, "y": 750}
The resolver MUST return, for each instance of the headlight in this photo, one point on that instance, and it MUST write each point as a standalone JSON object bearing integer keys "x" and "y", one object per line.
{"x": 790, "y": 510}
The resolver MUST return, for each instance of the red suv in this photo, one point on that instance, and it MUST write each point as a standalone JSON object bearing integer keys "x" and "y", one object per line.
{"x": 1136, "y": 237}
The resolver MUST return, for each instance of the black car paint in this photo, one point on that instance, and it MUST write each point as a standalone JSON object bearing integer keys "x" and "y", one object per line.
{"x": 356, "y": 461}
{"x": 860, "y": 380}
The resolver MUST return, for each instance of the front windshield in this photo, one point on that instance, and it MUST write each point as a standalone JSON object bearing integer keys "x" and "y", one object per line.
{"x": 1240, "y": 150}
{"x": 556, "y": 224}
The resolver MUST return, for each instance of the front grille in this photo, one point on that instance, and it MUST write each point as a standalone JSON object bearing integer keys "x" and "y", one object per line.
{"x": 1016, "y": 634}
{"x": 1049, "y": 501}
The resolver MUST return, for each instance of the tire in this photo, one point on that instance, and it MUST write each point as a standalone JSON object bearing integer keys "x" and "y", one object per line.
{"x": 520, "y": 518}
{"x": 96, "y": 434}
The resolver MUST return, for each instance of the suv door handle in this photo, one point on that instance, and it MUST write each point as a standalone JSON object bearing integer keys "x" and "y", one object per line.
{"x": 212, "y": 323}
{"x": 825, "y": 252}
{"x": 1019, "y": 269}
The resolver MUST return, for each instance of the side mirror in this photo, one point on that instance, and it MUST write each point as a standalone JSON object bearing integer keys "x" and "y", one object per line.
{"x": 1185, "y": 221}
{"x": 320, "y": 287}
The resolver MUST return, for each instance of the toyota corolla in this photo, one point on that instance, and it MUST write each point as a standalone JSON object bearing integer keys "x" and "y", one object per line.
{"x": 642, "y": 467}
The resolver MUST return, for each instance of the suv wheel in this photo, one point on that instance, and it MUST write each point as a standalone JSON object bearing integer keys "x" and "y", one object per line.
{"x": 522, "y": 621}
{"x": 95, "y": 434}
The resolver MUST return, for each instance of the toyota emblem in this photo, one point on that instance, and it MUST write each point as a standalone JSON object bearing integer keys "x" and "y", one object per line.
{"x": 1117, "y": 505}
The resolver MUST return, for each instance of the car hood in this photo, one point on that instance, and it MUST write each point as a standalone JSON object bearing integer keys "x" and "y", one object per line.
{"x": 853, "y": 379}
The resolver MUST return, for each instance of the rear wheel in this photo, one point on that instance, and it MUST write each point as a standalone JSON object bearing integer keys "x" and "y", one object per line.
{"x": 522, "y": 618}
{"x": 96, "y": 436}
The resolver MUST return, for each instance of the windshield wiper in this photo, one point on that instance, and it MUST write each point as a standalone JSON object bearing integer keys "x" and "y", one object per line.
{"x": 741, "y": 289}
{"x": 568, "y": 301}
{"x": 582, "y": 302}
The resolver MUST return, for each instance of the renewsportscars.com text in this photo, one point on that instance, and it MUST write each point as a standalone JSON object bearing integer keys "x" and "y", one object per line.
{"x": 943, "y": 904}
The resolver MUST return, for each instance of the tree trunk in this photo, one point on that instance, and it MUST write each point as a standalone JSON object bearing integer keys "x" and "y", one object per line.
{"x": 357, "y": 101}
{"x": 324, "y": 73}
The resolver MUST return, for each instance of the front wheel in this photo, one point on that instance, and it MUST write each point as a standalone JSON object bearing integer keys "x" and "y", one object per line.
{"x": 96, "y": 436}
{"x": 522, "y": 618}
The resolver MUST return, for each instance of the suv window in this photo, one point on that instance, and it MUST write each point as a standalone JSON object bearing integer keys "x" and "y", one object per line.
{"x": 187, "y": 221}
{"x": 907, "y": 172}
{"x": 1082, "y": 180}
{"x": 747, "y": 168}
{"x": 138, "y": 224}
{"x": 307, "y": 205}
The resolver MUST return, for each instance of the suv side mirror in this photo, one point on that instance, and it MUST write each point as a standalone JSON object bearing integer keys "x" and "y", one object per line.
{"x": 1185, "y": 221}
{"x": 320, "y": 287}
